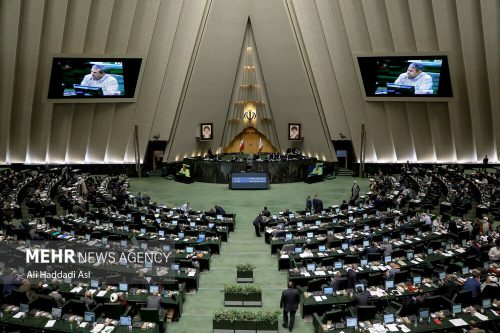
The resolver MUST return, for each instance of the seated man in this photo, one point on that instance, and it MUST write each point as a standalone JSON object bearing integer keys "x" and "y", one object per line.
{"x": 99, "y": 78}
{"x": 416, "y": 77}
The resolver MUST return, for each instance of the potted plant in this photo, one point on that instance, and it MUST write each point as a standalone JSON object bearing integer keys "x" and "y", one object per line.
{"x": 223, "y": 321}
{"x": 244, "y": 273}
{"x": 245, "y": 321}
{"x": 267, "y": 321}
{"x": 253, "y": 295}
{"x": 233, "y": 295}
{"x": 238, "y": 295}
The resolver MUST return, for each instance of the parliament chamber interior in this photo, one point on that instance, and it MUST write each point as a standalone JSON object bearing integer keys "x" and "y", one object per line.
{"x": 249, "y": 166}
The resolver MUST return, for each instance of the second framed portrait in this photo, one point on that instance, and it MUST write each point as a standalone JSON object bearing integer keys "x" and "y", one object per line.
{"x": 293, "y": 131}
{"x": 206, "y": 131}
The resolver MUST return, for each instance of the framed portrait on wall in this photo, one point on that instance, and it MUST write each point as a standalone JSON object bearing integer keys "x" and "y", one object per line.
{"x": 206, "y": 131}
{"x": 293, "y": 131}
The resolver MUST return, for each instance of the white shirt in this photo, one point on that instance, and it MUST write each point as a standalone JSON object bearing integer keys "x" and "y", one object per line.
{"x": 494, "y": 253}
{"x": 108, "y": 84}
{"x": 422, "y": 83}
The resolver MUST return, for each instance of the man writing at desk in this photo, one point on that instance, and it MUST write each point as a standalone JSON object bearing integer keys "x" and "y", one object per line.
{"x": 416, "y": 77}
{"x": 99, "y": 78}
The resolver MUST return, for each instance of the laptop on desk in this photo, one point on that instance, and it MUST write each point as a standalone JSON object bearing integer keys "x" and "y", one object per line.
{"x": 87, "y": 91}
{"x": 400, "y": 90}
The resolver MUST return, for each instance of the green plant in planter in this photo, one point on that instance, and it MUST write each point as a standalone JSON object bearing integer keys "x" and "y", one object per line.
{"x": 267, "y": 316}
{"x": 245, "y": 267}
{"x": 231, "y": 315}
{"x": 242, "y": 289}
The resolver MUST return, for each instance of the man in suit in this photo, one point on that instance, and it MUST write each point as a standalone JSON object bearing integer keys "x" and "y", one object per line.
{"x": 352, "y": 276}
{"x": 354, "y": 193}
{"x": 361, "y": 298}
{"x": 290, "y": 299}
{"x": 256, "y": 223}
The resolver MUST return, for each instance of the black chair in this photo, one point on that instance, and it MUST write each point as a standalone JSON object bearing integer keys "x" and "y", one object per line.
{"x": 75, "y": 307}
{"x": 112, "y": 310}
{"x": 17, "y": 297}
{"x": 490, "y": 292}
{"x": 44, "y": 302}
{"x": 149, "y": 315}
{"x": 436, "y": 303}
{"x": 402, "y": 276}
{"x": 366, "y": 312}
{"x": 315, "y": 285}
{"x": 336, "y": 316}
{"x": 463, "y": 297}
{"x": 374, "y": 257}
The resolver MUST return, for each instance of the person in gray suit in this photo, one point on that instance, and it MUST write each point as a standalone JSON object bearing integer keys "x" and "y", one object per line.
{"x": 290, "y": 299}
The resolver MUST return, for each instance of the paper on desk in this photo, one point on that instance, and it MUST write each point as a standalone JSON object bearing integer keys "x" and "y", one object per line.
{"x": 404, "y": 328}
{"x": 318, "y": 298}
{"x": 191, "y": 273}
{"x": 284, "y": 256}
{"x": 321, "y": 273}
{"x": 379, "y": 327}
{"x": 18, "y": 315}
{"x": 340, "y": 251}
{"x": 306, "y": 274}
{"x": 419, "y": 259}
{"x": 480, "y": 316}
{"x": 102, "y": 293}
{"x": 392, "y": 327}
{"x": 50, "y": 323}
{"x": 414, "y": 262}
{"x": 458, "y": 322}
{"x": 76, "y": 290}
{"x": 494, "y": 312}
{"x": 97, "y": 328}
{"x": 323, "y": 297}
{"x": 460, "y": 250}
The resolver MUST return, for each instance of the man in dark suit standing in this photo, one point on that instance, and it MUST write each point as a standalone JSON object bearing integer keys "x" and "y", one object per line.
{"x": 290, "y": 300}
{"x": 352, "y": 276}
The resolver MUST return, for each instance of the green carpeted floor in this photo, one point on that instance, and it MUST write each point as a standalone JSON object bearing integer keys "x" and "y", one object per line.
{"x": 243, "y": 246}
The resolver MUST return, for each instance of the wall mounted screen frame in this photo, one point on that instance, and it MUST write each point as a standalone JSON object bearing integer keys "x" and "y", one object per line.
{"x": 445, "y": 88}
{"x": 63, "y": 79}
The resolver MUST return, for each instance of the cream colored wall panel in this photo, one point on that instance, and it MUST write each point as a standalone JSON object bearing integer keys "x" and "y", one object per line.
{"x": 32, "y": 13}
{"x": 424, "y": 28}
{"x": 378, "y": 25}
{"x": 439, "y": 119}
{"x": 469, "y": 17}
{"x": 421, "y": 132}
{"x": 358, "y": 41}
{"x": 82, "y": 114}
{"x": 173, "y": 71}
{"x": 98, "y": 31}
{"x": 10, "y": 20}
{"x": 146, "y": 20}
{"x": 490, "y": 10}
{"x": 449, "y": 40}
{"x": 75, "y": 30}
{"x": 343, "y": 66}
{"x": 286, "y": 77}
{"x": 319, "y": 57}
{"x": 81, "y": 127}
{"x": 381, "y": 41}
{"x": 52, "y": 36}
{"x": 400, "y": 131}
{"x": 58, "y": 144}
{"x": 177, "y": 74}
{"x": 398, "y": 13}
{"x": 212, "y": 78}
{"x": 380, "y": 131}
{"x": 118, "y": 40}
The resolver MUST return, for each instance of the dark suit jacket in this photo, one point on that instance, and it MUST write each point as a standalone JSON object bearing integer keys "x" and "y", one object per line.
{"x": 352, "y": 278}
{"x": 290, "y": 299}
{"x": 361, "y": 299}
